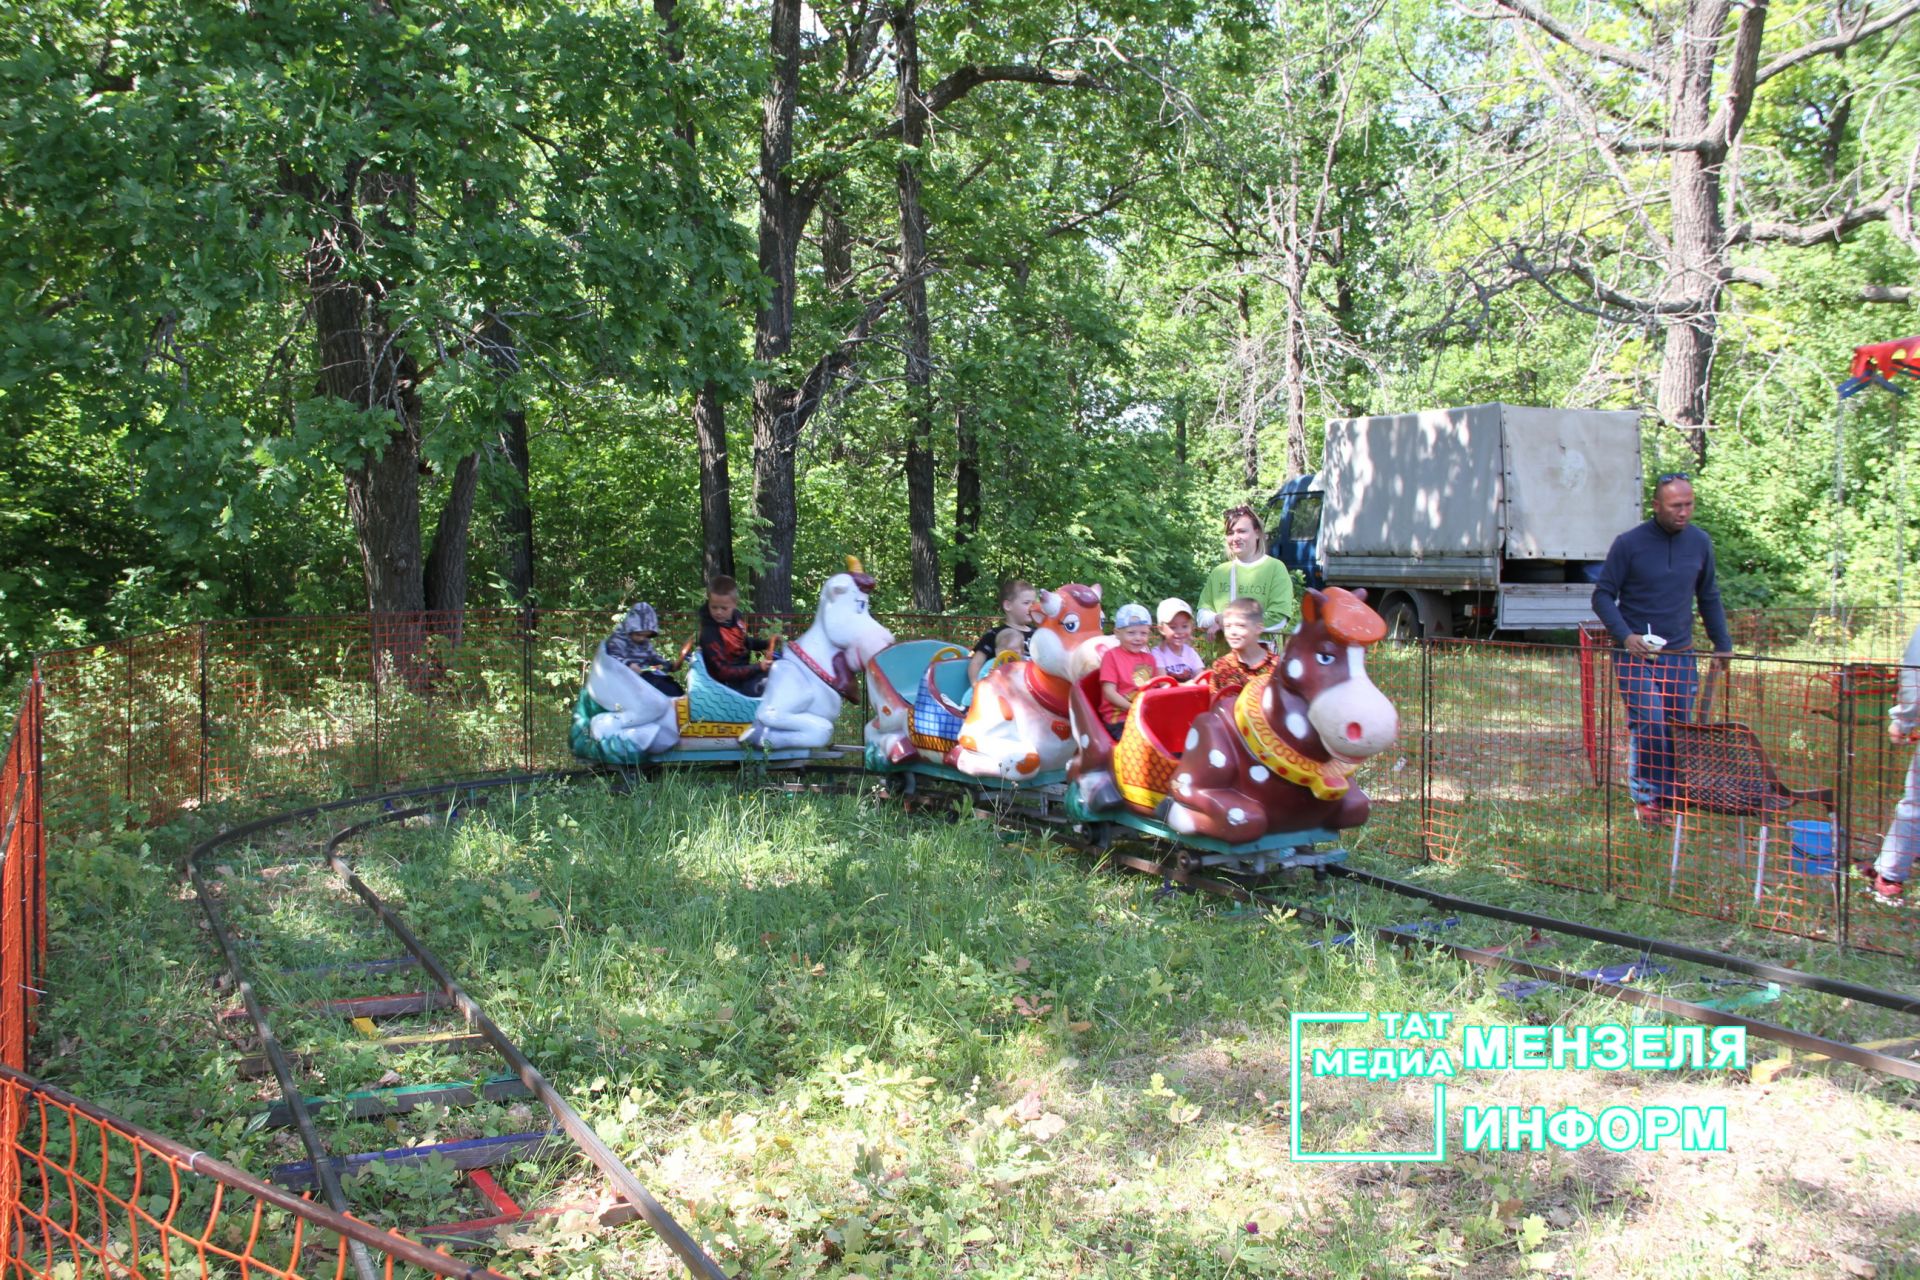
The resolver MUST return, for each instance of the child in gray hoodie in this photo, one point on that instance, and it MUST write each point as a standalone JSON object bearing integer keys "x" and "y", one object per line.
{"x": 633, "y": 645}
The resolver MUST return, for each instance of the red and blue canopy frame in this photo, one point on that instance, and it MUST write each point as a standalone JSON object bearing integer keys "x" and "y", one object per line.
{"x": 1880, "y": 364}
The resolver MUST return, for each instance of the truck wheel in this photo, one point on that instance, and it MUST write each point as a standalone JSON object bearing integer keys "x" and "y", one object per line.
{"x": 1403, "y": 620}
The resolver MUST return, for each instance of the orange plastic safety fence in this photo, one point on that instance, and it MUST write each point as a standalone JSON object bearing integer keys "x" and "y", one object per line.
{"x": 258, "y": 708}
{"x": 22, "y": 885}
{"x": 1867, "y": 634}
{"x": 1746, "y": 789}
{"x": 83, "y": 1193}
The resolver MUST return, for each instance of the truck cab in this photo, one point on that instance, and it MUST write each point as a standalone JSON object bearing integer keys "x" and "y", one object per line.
{"x": 1293, "y": 527}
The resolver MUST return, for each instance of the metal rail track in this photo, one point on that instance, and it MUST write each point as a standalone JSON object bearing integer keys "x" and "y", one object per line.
{"x": 324, "y": 1165}
{"x": 1003, "y": 808}
{"x": 1864, "y": 1057}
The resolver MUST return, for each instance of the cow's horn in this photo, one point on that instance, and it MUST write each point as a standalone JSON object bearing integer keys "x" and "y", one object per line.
{"x": 853, "y": 565}
{"x": 1050, "y": 603}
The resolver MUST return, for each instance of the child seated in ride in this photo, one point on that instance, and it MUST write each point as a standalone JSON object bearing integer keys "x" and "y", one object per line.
{"x": 1012, "y": 641}
{"x": 1126, "y": 667}
{"x": 725, "y": 646}
{"x": 1175, "y": 654}
{"x": 1016, "y": 606}
{"x": 1240, "y": 622}
{"x": 632, "y": 644}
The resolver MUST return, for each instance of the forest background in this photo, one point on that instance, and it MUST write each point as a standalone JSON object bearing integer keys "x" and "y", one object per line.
{"x": 317, "y": 307}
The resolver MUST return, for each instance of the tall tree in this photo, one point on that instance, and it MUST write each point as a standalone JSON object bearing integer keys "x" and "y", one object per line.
{"x": 379, "y": 213}
{"x": 1659, "y": 104}
{"x": 788, "y": 394}
{"x": 919, "y": 348}
{"x": 709, "y": 404}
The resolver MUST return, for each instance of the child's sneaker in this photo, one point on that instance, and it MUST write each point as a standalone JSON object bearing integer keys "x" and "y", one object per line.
{"x": 1882, "y": 888}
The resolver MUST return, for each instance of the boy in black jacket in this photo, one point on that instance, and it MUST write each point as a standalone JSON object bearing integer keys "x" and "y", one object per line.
{"x": 725, "y": 646}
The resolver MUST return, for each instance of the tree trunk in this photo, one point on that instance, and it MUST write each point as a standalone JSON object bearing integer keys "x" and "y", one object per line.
{"x": 1249, "y": 398}
{"x": 516, "y": 513}
{"x": 1697, "y": 260}
{"x": 445, "y": 577}
{"x": 913, "y": 274}
{"x": 516, "y": 518}
{"x": 716, "y": 493}
{"x": 383, "y": 489}
{"x": 776, "y": 423}
{"x": 836, "y": 247}
{"x": 966, "y": 502}
{"x": 383, "y": 498}
{"x": 1294, "y": 352}
{"x": 709, "y": 410}
{"x": 1693, "y": 273}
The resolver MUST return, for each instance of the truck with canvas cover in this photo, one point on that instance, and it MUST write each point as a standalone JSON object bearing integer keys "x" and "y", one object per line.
{"x": 1458, "y": 521}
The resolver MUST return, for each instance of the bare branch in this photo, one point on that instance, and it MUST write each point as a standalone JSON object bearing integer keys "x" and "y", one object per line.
{"x": 1601, "y": 144}
{"x": 1888, "y": 293}
{"x": 1801, "y": 235}
{"x": 1566, "y": 35}
{"x": 1639, "y": 309}
{"x": 964, "y": 80}
{"x": 1835, "y": 43}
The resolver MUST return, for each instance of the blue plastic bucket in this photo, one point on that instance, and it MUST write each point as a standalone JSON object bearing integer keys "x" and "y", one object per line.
{"x": 1812, "y": 848}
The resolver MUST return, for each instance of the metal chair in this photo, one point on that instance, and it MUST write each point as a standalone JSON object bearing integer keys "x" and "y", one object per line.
{"x": 1722, "y": 768}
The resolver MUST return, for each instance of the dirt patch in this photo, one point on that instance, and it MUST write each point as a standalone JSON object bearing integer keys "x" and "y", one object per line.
{"x": 1820, "y": 1177}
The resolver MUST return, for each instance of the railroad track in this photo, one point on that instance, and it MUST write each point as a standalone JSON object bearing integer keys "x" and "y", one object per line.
{"x": 325, "y": 995}
{"x": 328, "y": 1003}
{"x": 1752, "y": 982}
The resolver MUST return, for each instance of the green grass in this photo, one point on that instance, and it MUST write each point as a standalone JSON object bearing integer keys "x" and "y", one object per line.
{"x": 839, "y": 1039}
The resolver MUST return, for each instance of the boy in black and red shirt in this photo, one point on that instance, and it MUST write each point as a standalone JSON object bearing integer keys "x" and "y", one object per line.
{"x": 725, "y": 646}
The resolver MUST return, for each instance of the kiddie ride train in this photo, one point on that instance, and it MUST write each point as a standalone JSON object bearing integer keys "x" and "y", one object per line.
{"x": 1250, "y": 784}
{"x": 620, "y": 719}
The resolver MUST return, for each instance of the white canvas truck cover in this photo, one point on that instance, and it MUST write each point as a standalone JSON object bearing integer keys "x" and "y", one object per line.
{"x": 1431, "y": 485}
{"x": 1572, "y": 481}
{"x": 1413, "y": 484}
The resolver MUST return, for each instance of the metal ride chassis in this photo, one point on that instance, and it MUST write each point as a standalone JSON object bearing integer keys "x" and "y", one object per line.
{"x": 1046, "y": 797}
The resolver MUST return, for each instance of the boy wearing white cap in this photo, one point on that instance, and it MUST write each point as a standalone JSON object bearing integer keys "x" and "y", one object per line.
{"x": 1126, "y": 667}
{"x": 1175, "y": 654}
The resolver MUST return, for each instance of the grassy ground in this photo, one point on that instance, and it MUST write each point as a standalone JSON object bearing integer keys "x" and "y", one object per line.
{"x": 838, "y": 1039}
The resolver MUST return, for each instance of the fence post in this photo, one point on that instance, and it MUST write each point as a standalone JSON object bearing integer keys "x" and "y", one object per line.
{"x": 1841, "y": 818}
{"x": 36, "y": 846}
{"x": 127, "y": 737}
{"x": 526, "y": 683}
{"x": 205, "y": 728}
{"x": 1604, "y": 683}
{"x": 1426, "y": 749}
{"x": 373, "y": 660}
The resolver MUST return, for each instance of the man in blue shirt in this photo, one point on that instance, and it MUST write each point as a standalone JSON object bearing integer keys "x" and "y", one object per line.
{"x": 1654, "y": 574}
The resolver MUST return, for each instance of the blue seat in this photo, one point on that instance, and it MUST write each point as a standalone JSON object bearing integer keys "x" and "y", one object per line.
{"x": 709, "y": 700}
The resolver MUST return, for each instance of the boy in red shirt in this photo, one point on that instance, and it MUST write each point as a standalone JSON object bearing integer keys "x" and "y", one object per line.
{"x": 1127, "y": 666}
{"x": 1246, "y": 657}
